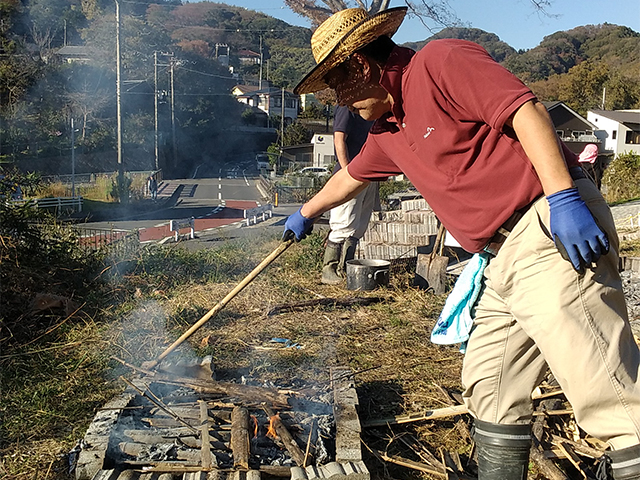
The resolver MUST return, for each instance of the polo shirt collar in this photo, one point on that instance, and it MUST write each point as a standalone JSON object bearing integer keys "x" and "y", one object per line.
{"x": 391, "y": 81}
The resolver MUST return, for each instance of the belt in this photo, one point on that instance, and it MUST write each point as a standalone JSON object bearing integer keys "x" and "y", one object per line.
{"x": 498, "y": 239}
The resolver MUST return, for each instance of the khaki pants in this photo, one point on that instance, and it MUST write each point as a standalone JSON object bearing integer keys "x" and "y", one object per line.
{"x": 536, "y": 311}
{"x": 352, "y": 218}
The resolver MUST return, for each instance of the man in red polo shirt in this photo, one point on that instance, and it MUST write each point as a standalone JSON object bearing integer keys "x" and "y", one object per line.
{"x": 483, "y": 152}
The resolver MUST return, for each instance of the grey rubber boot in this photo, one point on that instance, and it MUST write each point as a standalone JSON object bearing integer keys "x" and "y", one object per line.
{"x": 330, "y": 263}
{"x": 503, "y": 450}
{"x": 348, "y": 253}
{"x": 625, "y": 463}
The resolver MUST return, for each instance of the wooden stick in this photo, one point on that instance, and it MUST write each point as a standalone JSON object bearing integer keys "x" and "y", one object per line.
{"x": 160, "y": 405}
{"x": 221, "y": 304}
{"x": 133, "y": 367}
{"x": 240, "y": 443}
{"x": 408, "y": 463}
{"x": 423, "y": 453}
{"x": 306, "y": 452}
{"x": 548, "y": 413}
{"x": 286, "y": 437}
{"x": 576, "y": 461}
{"x": 434, "y": 414}
{"x": 336, "y": 302}
{"x": 578, "y": 447}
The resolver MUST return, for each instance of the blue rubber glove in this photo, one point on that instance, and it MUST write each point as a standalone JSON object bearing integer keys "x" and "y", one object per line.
{"x": 298, "y": 226}
{"x": 574, "y": 230}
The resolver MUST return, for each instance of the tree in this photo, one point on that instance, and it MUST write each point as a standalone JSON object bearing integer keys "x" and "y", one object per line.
{"x": 581, "y": 88}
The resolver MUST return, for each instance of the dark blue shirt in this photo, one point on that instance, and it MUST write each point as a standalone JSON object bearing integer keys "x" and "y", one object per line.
{"x": 354, "y": 127}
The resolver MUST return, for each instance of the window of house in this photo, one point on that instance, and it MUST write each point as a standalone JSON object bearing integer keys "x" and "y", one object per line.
{"x": 614, "y": 135}
{"x": 632, "y": 137}
{"x": 577, "y": 133}
{"x": 277, "y": 101}
{"x": 560, "y": 133}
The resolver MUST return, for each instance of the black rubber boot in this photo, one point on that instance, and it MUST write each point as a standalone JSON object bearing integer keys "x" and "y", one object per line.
{"x": 348, "y": 253}
{"x": 503, "y": 450}
{"x": 625, "y": 463}
{"x": 330, "y": 264}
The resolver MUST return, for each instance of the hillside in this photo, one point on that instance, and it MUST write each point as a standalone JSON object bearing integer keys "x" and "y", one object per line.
{"x": 498, "y": 49}
{"x": 614, "y": 45}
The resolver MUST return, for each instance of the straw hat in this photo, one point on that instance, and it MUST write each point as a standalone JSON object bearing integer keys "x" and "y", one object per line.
{"x": 342, "y": 34}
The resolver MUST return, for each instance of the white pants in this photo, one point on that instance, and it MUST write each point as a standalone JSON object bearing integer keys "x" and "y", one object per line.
{"x": 352, "y": 218}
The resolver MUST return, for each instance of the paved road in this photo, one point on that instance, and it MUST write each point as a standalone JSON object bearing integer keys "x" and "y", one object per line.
{"x": 213, "y": 202}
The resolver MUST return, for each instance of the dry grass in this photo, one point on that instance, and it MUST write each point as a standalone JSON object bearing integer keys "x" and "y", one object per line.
{"x": 137, "y": 313}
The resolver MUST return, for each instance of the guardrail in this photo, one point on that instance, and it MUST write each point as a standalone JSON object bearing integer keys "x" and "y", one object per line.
{"x": 57, "y": 203}
{"x": 252, "y": 214}
{"x": 177, "y": 225}
{"x": 122, "y": 243}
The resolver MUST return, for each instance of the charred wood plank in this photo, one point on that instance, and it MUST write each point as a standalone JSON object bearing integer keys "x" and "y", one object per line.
{"x": 240, "y": 437}
{"x": 287, "y": 439}
{"x": 244, "y": 392}
{"x": 334, "y": 302}
{"x": 205, "y": 447}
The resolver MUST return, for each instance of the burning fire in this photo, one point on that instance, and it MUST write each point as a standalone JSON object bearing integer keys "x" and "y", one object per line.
{"x": 271, "y": 432}
{"x": 255, "y": 426}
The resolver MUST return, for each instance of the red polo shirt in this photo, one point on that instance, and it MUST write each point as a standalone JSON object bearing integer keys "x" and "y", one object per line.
{"x": 447, "y": 134}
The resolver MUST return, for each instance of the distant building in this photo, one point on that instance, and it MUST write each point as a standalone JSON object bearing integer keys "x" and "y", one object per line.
{"x": 618, "y": 130}
{"x": 74, "y": 53}
{"x": 269, "y": 100}
{"x": 248, "y": 57}
{"x": 323, "y": 150}
{"x": 572, "y": 128}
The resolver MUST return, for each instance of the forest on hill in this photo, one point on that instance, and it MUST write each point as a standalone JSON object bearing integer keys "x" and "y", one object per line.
{"x": 41, "y": 89}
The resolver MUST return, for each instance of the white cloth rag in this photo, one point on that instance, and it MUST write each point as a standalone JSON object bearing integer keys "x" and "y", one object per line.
{"x": 455, "y": 321}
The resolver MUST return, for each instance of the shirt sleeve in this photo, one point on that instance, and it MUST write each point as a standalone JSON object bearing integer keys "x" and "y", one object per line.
{"x": 371, "y": 164}
{"x": 476, "y": 86}
{"x": 342, "y": 120}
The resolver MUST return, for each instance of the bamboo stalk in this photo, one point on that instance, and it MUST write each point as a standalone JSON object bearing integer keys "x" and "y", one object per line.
{"x": 240, "y": 437}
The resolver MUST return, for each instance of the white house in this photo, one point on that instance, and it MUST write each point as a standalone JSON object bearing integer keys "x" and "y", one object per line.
{"x": 269, "y": 100}
{"x": 618, "y": 130}
{"x": 323, "y": 152}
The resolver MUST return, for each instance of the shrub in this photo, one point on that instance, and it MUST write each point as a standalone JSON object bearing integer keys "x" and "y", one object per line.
{"x": 622, "y": 178}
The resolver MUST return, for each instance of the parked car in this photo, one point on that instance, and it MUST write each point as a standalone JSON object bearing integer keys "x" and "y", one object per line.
{"x": 315, "y": 171}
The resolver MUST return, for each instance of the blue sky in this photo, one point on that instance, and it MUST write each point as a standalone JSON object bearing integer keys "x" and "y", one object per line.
{"x": 514, "y": 21}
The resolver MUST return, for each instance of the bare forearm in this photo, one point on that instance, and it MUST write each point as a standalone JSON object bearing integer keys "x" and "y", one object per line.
{"x": 342, "y": 152}
{"x": 339, "y": 189}
{"x": 538, "y": 138}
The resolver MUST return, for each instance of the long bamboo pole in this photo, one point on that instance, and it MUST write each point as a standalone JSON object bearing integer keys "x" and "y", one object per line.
{"x": 221, "y": 304}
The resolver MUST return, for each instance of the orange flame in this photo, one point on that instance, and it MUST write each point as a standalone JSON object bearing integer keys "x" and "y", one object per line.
{"x": 271, "y": 432}
{"x": 255, "y": 426}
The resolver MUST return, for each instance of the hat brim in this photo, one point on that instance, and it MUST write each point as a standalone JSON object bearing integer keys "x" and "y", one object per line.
{"x": 386, "y": 23}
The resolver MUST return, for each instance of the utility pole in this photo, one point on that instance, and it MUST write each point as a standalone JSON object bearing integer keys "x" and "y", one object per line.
{"x": 282, "y": 121}
{"x": 604, "y": 96}
{"x": 173, "y": 117}
{"x": 155, "y": 106}
{"x": 122, "y": 194}
{"x": 73, "y": 159}
{"x": 260, "y": 82}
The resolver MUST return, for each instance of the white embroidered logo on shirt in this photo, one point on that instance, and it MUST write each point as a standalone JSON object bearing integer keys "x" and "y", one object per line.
{"x": 429, "y": 130}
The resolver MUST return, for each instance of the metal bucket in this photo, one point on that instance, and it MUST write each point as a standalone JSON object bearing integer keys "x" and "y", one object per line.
{"x": 367, "y": 274}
